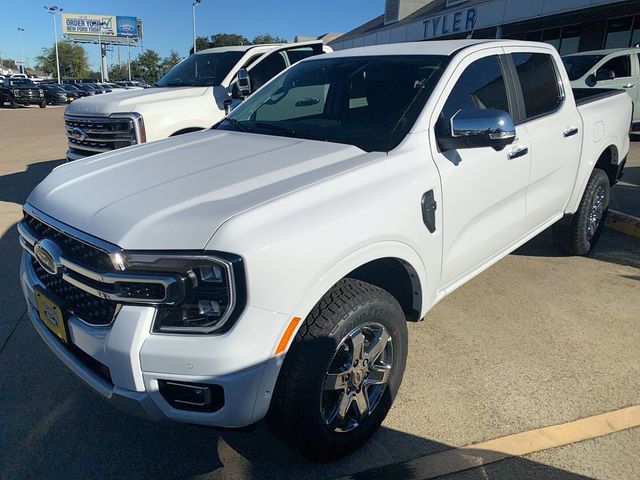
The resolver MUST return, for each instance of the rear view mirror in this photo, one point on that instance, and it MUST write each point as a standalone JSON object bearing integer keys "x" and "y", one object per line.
{"x": 604, "y": 75}
{"x": 244, "y": 83}
{"x": 479, "y": 128}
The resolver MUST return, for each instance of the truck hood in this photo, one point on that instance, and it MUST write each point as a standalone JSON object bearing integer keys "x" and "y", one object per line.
{"x": 174, "y": 194}
{"x": 130, "y": 100}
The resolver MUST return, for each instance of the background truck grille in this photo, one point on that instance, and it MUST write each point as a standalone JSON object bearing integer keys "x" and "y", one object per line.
{"x": 88, "y": 136}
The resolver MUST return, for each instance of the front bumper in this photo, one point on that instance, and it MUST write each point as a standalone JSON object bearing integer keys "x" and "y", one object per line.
{"x": 29, "y": 100}
{"x": 241, "y": 361}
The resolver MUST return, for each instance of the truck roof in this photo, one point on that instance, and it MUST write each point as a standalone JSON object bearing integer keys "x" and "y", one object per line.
{"x": 431, "y": 47}
{"x": 245, "y": 48}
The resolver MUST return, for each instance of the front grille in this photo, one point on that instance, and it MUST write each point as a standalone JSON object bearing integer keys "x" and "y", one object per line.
{"x": 88, "y": 136}
{"x": 91, "y": 309}
{"x": 75, "y": 250}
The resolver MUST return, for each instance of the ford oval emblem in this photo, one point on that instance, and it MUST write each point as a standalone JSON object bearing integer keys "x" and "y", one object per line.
{"x": 48, "y": 255}
{"x": 78, "y": 134}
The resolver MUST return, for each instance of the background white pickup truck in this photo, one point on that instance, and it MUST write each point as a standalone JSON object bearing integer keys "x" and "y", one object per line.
{"x": 193, "y": 95}
{"x": 268, "y": 267}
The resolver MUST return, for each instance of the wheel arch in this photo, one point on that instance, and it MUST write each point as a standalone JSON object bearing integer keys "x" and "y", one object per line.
{"x": 609, "y": 161}
{"x": 393, "y": 266}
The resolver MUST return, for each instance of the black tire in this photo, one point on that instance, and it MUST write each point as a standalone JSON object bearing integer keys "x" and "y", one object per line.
{"x": 296, "y": 411}
{"x": 13, "y": 104}
{"x": 43, "y": 104}
{"x": 580, "y": 235}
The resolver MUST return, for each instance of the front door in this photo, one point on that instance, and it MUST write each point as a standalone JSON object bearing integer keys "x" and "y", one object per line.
{"x": 483, "y": 190}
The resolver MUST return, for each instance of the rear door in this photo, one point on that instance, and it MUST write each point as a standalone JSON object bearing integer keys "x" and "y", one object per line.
{"x": 554, "y": 126}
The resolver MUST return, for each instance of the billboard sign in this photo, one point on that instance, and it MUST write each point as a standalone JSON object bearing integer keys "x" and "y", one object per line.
{"x": 76, "y": 24}
{"x": 112, "y": 28}
{"x": 127, "y": 27}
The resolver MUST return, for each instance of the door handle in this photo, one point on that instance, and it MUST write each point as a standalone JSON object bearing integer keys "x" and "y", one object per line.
{"x": 518, "y": 152}
{"x": 570, "y": 132}
{"x": 628, "y": 85}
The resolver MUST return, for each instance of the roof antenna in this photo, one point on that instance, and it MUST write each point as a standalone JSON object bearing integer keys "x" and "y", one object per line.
{"x": 475, "y": 22}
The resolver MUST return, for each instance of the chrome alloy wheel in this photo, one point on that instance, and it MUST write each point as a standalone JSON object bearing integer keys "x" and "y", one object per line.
{"x": 357, "y": 377}
{"x": 596, "y": 211}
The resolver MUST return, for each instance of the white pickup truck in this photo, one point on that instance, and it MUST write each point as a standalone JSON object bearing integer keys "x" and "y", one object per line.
{"x": 192, "y": 96}
{"x": 268, "y": 266}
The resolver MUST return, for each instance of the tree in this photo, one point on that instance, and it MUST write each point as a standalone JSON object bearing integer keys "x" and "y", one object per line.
{"x": 169, "y": 62}
{"x": 267, "y": 38}
{"x": 220, "y": 40}
{"x": 146, "y": 66}
{"x": 73, "y": 60}
{"x": 118, "y": 73}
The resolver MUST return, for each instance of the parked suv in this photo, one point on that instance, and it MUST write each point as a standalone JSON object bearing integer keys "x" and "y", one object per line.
{"x": 193, "y": 95}
{"x": 18, "y": 91}
{"x": 616, "y": 68}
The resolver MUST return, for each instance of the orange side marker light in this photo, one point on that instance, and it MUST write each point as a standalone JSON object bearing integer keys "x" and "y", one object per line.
{"x": 284, "y": 341}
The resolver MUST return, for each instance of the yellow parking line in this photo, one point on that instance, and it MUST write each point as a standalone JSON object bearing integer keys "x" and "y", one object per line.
{"x": 624, "y": 223}
{"x": 525, "y": 443}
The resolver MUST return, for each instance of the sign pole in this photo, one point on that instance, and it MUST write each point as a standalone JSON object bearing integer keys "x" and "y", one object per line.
{"x": 129, "y": 57}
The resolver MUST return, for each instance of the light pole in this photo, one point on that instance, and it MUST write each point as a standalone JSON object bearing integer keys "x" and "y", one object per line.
{"x": 20, "y": 29}
{"x": 129, "y": 57}
{"x": 193, "y": 12}
{"x": 52, "y": 10}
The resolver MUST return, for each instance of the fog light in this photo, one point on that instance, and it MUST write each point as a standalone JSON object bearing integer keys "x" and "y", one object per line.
{"x": 192, "y": 396}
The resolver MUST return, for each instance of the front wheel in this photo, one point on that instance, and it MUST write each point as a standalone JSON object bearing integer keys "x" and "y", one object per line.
{"x": 342, "y": 372}
{"x": 582, "y": 234}
{"x": 43, "y": 104}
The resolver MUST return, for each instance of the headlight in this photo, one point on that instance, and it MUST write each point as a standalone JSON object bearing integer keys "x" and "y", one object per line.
{"x": 214, "y": 293}
{"x": 17, "y": 92}
{"x": 41, "y": 92}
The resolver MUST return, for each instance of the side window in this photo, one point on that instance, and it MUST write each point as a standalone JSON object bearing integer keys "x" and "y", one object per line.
{"x": 621, "y": 66}
{"x": 480, "y": 87}
{"x": 268, "y": 68}
{"x": 297, "y": 54}
{"x": 540, "y": 83}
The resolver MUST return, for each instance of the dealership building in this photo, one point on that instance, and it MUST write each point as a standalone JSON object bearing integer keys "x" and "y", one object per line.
{"x": 570, "y": 25}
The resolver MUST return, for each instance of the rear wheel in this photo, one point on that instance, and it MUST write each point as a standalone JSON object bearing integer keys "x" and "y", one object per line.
{"x": 342, "y": 372}
{"x": 580, "y": 235}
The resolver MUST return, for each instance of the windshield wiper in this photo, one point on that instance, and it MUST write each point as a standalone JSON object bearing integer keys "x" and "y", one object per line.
{"x": 239, "y": 125}
{"x": 289, "y": 132}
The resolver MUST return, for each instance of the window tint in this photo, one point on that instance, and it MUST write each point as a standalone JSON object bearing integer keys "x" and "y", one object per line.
{"x": 267, "y": 69}
{"x": 297, "y": 54}
{"x": 621, "y": 66}
{"x": 578, "y": 65}
{"x": 369, "y": 102}
{"x": 481, "y": 86}
{"x": 540, "y": 83}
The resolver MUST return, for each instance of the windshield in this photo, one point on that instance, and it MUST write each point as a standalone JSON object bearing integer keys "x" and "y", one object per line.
{"x": 21, "y": 82}
{"x": 369, "y": 102}
{"x": 578, "y": 65}
{"x": 201, "y": 70}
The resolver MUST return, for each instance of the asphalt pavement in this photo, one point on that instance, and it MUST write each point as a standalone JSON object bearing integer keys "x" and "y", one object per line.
{"x": 539, "y": 339}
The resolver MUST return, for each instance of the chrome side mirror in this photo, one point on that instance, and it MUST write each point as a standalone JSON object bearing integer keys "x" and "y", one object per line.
{"x": 244, "y": 83}
{"x": 480, "y": 128}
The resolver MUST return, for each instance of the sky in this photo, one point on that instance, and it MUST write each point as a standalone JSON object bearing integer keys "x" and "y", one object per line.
{"x": 167, "y": 23}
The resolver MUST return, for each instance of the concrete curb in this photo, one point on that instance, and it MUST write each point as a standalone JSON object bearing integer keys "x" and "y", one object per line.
{"x": 624, "y": 223}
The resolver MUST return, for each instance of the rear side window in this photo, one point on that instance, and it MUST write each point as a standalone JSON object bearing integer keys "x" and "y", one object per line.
{"x": 297, "y": 54}
{"x": 268, "y": 68}
{"x": 621, "y": 66}
{"x": 540, "y": 83}
{"x": 480, "y": 87}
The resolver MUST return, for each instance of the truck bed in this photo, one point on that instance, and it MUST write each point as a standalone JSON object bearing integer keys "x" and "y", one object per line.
{"x": 588, "y": 95}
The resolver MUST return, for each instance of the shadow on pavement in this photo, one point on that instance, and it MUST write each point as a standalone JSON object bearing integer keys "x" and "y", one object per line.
{"x": 613, "y": 247}
{"x": 53, "y": 427}
{"x": 14, "y": 189}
